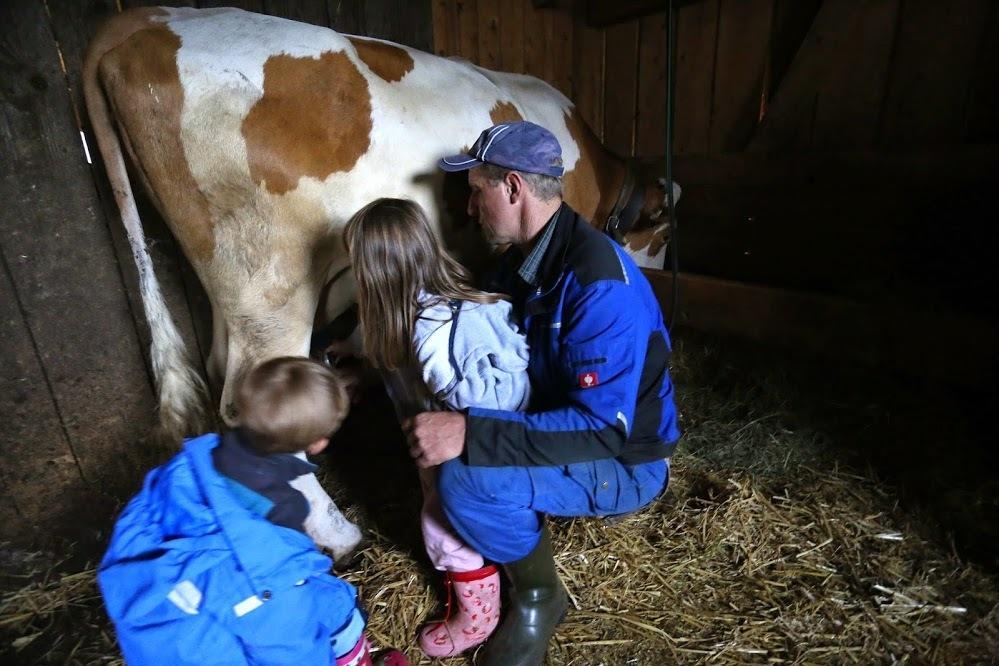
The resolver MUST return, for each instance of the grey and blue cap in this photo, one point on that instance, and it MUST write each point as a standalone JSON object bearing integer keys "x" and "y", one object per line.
{"x": 521, "y": 146}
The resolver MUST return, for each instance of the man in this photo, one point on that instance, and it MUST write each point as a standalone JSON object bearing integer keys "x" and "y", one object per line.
{"x": 602, "y": 423}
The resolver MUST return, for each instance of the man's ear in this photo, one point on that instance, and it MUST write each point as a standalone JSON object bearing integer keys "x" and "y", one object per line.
{"x": 515, "y": 186}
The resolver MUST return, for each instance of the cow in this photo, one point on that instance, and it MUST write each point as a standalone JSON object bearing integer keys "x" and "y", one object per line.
{"x": 257, "y": 137}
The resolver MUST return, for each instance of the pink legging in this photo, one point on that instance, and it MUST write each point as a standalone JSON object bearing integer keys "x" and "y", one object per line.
{"x": 445, "y": 548}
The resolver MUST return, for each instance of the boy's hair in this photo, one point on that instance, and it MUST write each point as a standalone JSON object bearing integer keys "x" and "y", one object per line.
{"x": 395, "y": 255}
{"x": 287, "y": 403}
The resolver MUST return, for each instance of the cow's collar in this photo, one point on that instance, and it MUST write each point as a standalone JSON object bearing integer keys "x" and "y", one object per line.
{"x": 628, "y": 206}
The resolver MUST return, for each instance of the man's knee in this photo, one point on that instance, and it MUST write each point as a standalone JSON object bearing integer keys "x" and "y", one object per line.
{"x": 455, "y": 482}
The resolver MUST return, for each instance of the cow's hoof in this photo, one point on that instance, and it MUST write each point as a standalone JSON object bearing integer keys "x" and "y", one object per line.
{"x": 350, "y": 558}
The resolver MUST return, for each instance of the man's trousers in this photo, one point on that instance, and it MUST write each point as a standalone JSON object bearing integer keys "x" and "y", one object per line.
{"x": 496, "y": 509}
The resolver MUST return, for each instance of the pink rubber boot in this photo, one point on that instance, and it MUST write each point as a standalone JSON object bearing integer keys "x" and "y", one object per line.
{"x": 473, "y": 610}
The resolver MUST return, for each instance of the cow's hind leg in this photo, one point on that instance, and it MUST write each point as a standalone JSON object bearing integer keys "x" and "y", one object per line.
{"x": 218, "y": 356}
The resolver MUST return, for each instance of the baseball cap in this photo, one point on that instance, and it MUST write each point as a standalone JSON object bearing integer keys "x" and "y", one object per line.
{"x": 522, "y": 146}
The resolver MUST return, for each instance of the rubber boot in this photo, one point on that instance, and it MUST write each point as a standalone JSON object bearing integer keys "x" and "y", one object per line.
{"x": 538, "y": 603}
{"x": 473, "y": 612}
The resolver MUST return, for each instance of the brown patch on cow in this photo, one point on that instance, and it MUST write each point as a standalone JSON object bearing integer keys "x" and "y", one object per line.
{"x": 504, "y": 112}
{"x": 314, "y": 119}
{"x": 388, "y": 61}
{"x": 593, "y": 184}
{"x": 142, "y": 82}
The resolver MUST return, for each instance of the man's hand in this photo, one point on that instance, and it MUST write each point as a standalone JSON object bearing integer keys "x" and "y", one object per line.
{"x": 435, "y": 437}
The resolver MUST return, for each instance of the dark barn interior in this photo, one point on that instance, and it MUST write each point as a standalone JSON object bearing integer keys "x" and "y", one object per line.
{"x": 834, "y": 497}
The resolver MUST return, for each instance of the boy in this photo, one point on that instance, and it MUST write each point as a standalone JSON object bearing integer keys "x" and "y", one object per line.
{"x": 209, "y": 563}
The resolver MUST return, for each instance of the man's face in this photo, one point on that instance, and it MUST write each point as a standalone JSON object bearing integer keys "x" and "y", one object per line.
{"x": 490, "y": 203}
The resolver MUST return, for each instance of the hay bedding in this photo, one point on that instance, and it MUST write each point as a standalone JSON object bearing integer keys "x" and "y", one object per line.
{"x": 774, "y": 558}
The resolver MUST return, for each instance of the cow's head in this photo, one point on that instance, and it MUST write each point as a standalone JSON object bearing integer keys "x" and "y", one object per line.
{"x": 646, "y": 236}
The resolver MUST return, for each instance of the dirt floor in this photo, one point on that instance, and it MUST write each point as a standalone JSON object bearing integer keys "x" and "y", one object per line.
{"x": 816, "y": 514}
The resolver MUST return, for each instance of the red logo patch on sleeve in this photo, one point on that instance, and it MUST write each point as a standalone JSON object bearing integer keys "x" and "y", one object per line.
{"x": 588, "y": 380}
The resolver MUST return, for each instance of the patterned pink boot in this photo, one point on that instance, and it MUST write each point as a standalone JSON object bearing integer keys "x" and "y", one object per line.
{"x": 469, "y": 622}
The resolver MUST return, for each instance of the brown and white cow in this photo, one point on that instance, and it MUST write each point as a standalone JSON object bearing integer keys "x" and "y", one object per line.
{"x": 257, "y": 137}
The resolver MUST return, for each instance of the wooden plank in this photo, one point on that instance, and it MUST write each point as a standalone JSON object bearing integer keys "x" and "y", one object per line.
{"x": 836, "y": 79}
{"x": 788, "y": 221}
{"x": 416, "y": 19}
{"x": 792, "y": 19}
{"x": 73, "y": 25}
{"x": 935, "y": 52}
{"x": 248, "y": 5}
{"x": 128, "y": 4}
{"x": 588, "y": 74}
{"x": 400, "y": 21}
{"x": 851, "y": 94}
{"x": 36, "y": 461}
{"x": 347, "y": 16}
{"x": 971, "y": 165}
{"x": 444, "y": 16}
{"x": 512, "y": 36}
{"x": 883, "y": 335}
{"x": 650, "y": 128}
{"x": 558, "y": 68}
{"x": 535, "y": 46}
{"x": 797, "y": 236}
{"x": 66, "y": 276}
{"x": 468, "y": 30}
{"x": 489, "y": 38}
{"x": 600, "y": 13}
{"x": 743, "y": 41}
{"x": 620, "y": 87}
{"x": 696, "y": 36}
{"x": 296, "y": 10}
{"x": 983, "y": 102}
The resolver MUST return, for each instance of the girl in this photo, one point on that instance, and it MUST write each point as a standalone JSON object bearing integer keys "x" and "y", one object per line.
{"x": 440, "y": 344}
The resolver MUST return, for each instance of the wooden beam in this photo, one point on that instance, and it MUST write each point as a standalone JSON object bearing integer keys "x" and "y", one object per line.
{"x": 925, "y": 167}
{"x": 940, "y": 345}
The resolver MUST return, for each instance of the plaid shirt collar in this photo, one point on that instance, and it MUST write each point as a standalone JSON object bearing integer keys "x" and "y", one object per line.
{"x": 528, "y": 270}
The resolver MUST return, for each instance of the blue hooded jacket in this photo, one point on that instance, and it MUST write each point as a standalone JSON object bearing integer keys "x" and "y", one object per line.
{"x": 193, "y": 577}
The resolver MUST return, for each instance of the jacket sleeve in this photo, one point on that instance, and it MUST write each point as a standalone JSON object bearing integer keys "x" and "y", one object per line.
{"x": 599, "y": 369}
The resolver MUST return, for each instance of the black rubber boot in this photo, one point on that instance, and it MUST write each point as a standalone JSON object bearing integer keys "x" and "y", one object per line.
{"x": 538, "y": 603}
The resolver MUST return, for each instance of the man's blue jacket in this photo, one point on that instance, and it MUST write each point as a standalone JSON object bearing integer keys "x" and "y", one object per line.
{"x": 193, "y": 577}
{"x": 598, "y": 363}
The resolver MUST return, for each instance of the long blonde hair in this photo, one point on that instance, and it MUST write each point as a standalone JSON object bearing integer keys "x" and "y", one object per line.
{"x": 395, "y": 255}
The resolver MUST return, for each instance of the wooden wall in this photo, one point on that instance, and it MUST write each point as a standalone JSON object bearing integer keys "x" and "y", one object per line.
{"x": 76, "y": 394}
{"x": 758, "y": 75}
{"x": 839, "y": 146}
